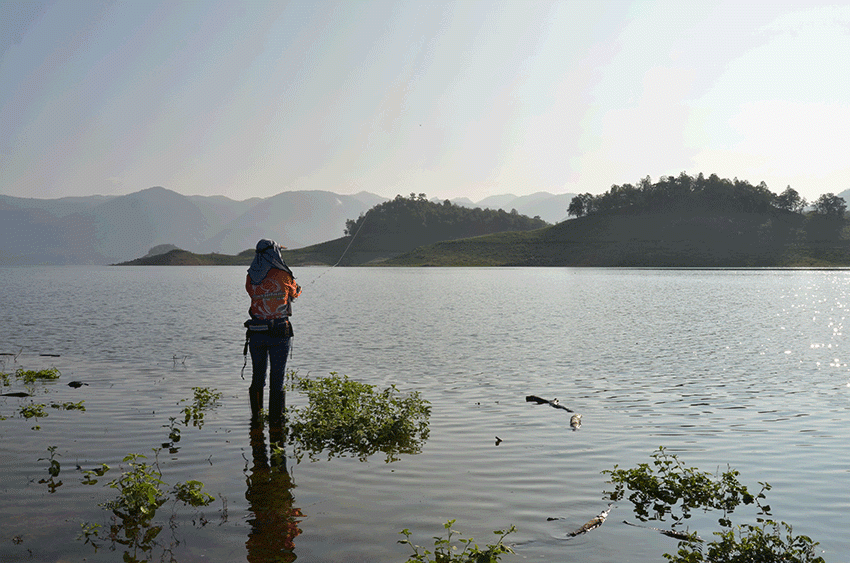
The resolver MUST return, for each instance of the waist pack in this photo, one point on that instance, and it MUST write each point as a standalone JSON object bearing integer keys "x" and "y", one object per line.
{"x": 276, "y": 328}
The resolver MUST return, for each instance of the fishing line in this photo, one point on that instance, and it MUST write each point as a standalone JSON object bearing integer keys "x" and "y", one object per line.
{"x": 363, "y": 222}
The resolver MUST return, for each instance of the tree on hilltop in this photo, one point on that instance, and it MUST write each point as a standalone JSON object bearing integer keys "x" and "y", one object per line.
{"x": 689, "y": 193}
{"x": 790, "y": 200}
{"x": 831, "y": 205}
{"x": 418, "y": 219}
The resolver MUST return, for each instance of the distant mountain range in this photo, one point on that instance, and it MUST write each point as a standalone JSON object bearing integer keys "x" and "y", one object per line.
{"x": 111, "y": 229}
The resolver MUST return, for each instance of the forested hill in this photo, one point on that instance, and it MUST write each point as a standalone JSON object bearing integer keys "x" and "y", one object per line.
{"x": 402, "y": 224}
{"x": 676, "y": 222}
{"x": 419, "y": 221}
{"x": 384, "y": 231}
{"x": 684, "y": 193}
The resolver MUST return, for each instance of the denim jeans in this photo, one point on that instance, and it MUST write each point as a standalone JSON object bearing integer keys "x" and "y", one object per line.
{"x": 267, "y": 349}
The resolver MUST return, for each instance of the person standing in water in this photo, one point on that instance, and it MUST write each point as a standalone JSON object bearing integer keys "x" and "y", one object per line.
{"x": 271, "y": 286}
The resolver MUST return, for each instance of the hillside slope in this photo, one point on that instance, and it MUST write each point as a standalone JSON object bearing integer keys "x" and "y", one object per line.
{"x": 628, "y": 239}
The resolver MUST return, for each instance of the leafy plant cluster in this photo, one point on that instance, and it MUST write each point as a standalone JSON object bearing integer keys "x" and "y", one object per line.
{"x": 204, "y": 399}
{"x": 347, "y": 417}
{"x": 665, "y": 484}
{"x": 52, "y": 470}
{"x": 141, "y": 491}
{"x": 684, "y": 191}
{"x": 416, "y": 218}
{"x": 668, "y": 487}
{"x": 31, "y": 376}
{"x": 445, "y": 552}
{"x": 140, "y": 486}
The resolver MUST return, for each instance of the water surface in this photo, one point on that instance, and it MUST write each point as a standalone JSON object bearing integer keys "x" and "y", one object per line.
{"x": 741, "y": 368}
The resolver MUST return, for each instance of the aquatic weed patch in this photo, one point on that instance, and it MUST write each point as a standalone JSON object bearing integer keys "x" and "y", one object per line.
{"x": 142, "y": 491}
{"x": 135, "y": 524}
{"x": 446, "y": 552}
{"x": 204, "y": 399}
{"x": 139, "y": 487}
{"x": 191, "y": 493}
{"x": 348, "y": 417}
{"x": 668, "y": 487}
{"x": 69, "y": 406}
{"x": 33, "y": 410}
{"x": 53, "y": 470}
{"x": 32, "y": 376}
{"x": 33, "y": 381}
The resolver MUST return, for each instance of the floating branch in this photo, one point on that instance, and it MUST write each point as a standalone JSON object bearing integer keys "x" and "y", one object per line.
{"x": 593, "y": 523}
{"x": 554, "y": 402}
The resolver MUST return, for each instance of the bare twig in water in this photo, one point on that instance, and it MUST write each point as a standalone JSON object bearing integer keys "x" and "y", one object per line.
{"x": 554, "y": 402}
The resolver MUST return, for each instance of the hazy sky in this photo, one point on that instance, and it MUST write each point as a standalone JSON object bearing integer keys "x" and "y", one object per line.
{"x": 455, "y": 98}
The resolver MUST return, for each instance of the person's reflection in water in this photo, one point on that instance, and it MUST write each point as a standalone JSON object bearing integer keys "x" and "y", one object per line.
{"x": 273, "y": 519}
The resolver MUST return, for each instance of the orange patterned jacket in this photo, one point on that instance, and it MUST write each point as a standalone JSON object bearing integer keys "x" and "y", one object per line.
{"x": 272, "y": 297}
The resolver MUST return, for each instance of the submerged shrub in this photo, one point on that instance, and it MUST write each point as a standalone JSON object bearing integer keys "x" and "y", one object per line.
{"x": 348, "y": 417}
{"x": 669, "y": 487}
{"x": 445, "y": 552}
{"x": 763, "y": 543}
{"x": 665, "y": 484}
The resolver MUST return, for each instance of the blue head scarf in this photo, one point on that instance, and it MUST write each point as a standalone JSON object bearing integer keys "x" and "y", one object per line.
{"x": 266, "y": 257}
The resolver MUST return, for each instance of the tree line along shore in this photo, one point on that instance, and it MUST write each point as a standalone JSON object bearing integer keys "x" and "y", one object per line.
{"x": 682, "y": 221}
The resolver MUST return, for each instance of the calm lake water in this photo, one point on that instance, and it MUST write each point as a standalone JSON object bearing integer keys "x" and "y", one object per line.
{"x": 740, "y": 368}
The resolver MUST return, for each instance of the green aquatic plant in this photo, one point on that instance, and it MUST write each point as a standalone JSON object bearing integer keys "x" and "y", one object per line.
{"x": 33, "y": 410}
{"x": 55, "y": 466}
{"x": 139, "y": 488}
{"x": 88, "y": 532}
{"x": 768, "y": 542}
{"x": 53, "y": 470}
{"x": 69, "y": 406}
{"x": 90, "y": 474}
{"x": 191, "y": 493}
{"x": 668, "y": 487}
{"x": 173, "y": 429}
{"x": 142, "y": 492}
{"x": 31, "y": 376}
{"x": 204, "y": 399}
{"x": 445, "y": 552}
{"x": 347, "y": 417}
